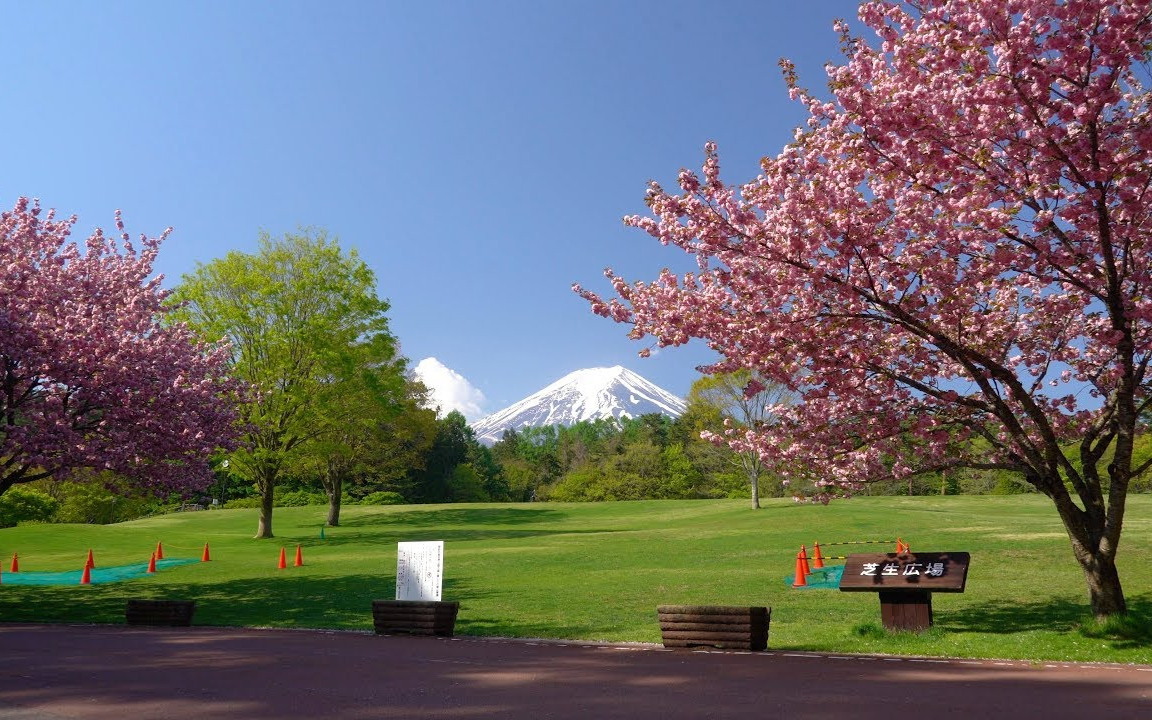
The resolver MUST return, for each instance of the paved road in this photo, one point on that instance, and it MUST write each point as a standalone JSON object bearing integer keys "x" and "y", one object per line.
{"x": 49, "y": 672}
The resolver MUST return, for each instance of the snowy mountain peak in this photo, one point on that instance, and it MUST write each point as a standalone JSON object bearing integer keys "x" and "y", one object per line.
{"x": 589, "y": 394}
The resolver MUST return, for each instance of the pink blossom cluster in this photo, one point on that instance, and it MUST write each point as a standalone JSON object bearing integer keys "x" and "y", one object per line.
{"x": 90, "y": 375}
{"x": 956, "y": 245}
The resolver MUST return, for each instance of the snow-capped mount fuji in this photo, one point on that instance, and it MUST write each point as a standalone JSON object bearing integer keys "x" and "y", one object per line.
{"x": 590, "y": 394}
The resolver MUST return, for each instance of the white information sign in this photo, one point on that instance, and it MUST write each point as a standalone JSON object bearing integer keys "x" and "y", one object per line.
{"x": 419, "y": 570}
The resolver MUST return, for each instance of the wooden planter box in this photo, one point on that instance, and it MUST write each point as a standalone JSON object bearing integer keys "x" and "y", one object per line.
{"x": 167, "y": 613}
{"x": 414, "y": 617}
{"x": 721, "y": 626}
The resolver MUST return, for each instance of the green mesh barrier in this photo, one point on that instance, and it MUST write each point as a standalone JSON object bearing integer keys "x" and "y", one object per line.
{"x": 825, "y": 578}
{"x": 97, "y": 575}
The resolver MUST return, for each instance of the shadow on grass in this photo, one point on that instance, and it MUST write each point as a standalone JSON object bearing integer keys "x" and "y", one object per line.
{"x": 347, "y": 536}
{"x": 452, "y": 524}
{"x": 468, "y": 516}
{"x": 301, "y": 601}
{"x": 1054, "y": 614}
{"x": 292, "y": 602}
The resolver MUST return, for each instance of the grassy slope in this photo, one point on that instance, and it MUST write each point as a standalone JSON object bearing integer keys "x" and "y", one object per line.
{"x": 597, "y": 571}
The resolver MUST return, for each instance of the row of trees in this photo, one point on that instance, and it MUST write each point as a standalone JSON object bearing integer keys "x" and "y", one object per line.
{"x": 273, "y": 364}
{"x": 329, "y": 401}
{"x": 649, "y": 457}
{"x": 321, "y": 399}
{"x": 279, "y": 366}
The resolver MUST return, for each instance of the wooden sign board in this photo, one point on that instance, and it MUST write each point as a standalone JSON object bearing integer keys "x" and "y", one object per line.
{"x": 908, "y": 572}
{"x": 419, "y": 570}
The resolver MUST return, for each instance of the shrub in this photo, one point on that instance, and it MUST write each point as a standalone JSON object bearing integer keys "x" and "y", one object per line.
{"x": 244, "y": 502}
{"x": 300, "y": 498}
{"x": 23, "y": 505}
{"x": 87, "y": 502}
{"x": 383, "y": 497}
{"x": 1011, "y": 486}
{"x": 101, "y": 498}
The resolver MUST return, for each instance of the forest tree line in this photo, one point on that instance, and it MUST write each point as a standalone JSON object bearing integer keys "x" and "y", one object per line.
{"x": 420, "y": 457}
{"x": 327, "y": 412}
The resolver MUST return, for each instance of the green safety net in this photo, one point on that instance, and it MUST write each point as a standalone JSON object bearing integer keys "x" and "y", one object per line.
{"x": 824, "y": 578}
{"x": 96, "y": 575}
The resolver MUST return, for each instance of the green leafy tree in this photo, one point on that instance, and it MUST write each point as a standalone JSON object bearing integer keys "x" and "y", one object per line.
{"x": 364, "y": 393}
{"x": 682, "y": 478}
{"x": 399, "y": 456}
{"x": 466, "y": 485}
{"x": 655, "y": 428}
{"x": 520, "y": 472}
{"x": 299, "y": 313}
{"x": 741, "y": 400}
{"x": 433, "y": 483}
{"x": 490, "y": 472}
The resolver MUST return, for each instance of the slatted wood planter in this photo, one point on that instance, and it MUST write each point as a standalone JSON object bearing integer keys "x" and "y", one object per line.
{"x": 165, "y": 613}
{"x": 721, "y": 626}
{"x": 414, "y": 617}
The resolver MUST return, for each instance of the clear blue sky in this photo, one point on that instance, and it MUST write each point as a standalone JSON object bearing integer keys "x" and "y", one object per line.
{"x": 479, "y": 155}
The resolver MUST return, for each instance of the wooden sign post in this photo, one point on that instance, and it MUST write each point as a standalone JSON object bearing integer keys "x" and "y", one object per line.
{"x": 905, "y": 583}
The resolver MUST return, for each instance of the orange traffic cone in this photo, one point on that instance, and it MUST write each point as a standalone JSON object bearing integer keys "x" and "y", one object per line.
{"x": 817, "y": 558}
{"x": 804, "y": 557}
{"x": 907, "y": 549}
{"x": 899, "y": 546}
{"x": 283, "y": 560}
{"x": 159, "y": 551}
{"x": 86, "y": 578}
{"x": 15, "y": 562}
{"x": 204, "y": 557}
{"x": 89, "y": 563}
{"x": 299, "y": 557}
{"x": 152, "y": 563}
{"x": 800, "y": 580}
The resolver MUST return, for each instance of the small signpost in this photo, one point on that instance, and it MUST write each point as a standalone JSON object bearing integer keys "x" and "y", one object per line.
{"x": 419, "y": 570}
{"x": 905, "y": 583}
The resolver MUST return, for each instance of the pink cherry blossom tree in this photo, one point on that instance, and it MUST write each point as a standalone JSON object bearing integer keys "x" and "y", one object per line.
{"x": 90, "y": 375}
{"x": 953, "y": 253}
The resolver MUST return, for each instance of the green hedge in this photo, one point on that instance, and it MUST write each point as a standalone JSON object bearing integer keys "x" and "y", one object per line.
{"x": 24, "y": 505}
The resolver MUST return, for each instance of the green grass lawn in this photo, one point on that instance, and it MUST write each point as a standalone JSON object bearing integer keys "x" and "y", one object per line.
{"x": 598, "y": 571}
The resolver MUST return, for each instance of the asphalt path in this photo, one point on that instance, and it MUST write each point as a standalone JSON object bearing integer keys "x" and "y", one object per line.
{"x": 105, "y": 672}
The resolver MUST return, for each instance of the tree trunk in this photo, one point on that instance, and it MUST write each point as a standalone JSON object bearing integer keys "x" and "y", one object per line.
{"x": 750, "y": 464}
{"x": 1094, "y": 547}
{"x": 334, "y": 489}
{"x": 1104, "y": 591}
{"x": 264, "y": 528}
{"x": 266, "y": 483}
{"x": 1105, "y": 594}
